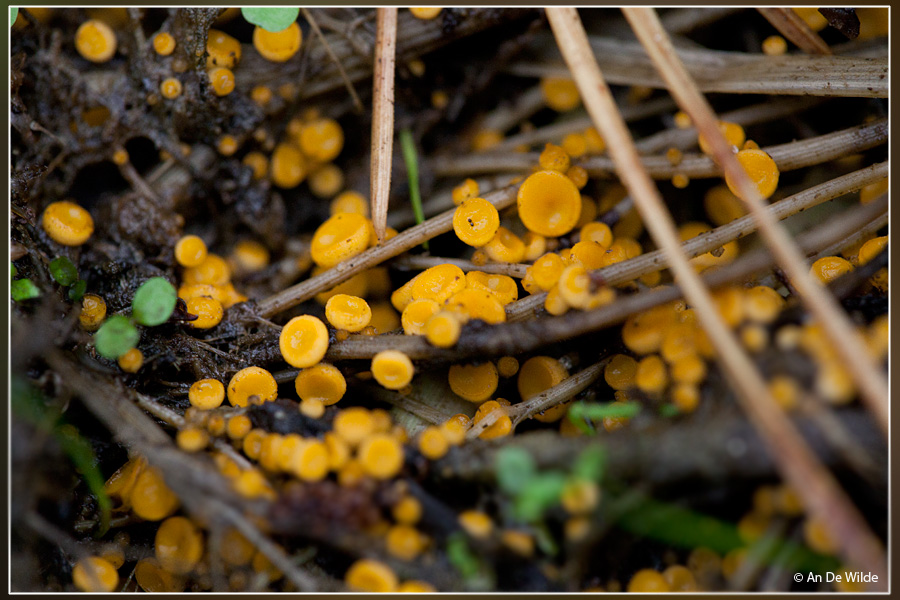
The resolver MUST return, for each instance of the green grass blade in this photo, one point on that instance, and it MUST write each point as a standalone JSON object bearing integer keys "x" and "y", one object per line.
{"x": 410, "y": 157}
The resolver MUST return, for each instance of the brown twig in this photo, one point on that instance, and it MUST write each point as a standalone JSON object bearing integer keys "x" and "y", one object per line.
{"x": 665, "y": 451}
{"x": 788, "y": 157}
{"x": 820, "y": 492}
{"x": 337, "y": 61}
{"x": 418, "y": 262}
{"x": 627, "y": 63}
{"x": 383, "y": 116}
{"x": 406, "y": 240}
{"x": 793, "y": 27}
{"x": 633, "y": 268}
{"x": 556, "y": 131}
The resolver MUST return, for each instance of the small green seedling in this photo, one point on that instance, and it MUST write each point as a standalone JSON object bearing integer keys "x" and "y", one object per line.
{"x": 271, "y": 18}
{"x": 116, "y": 337}
{"x": 154, "y": 302}
{"x": 24, "y": 289}
{"x": 63, "y": 271}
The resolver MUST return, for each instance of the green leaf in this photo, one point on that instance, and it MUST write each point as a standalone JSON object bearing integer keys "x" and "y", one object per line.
{"x": 590, "y": 464}
{"x": 154, "y": 302}
{"x": 669, "y": 410}
{"x": 686, "y": 528}
{"x": 412, "y": 168}
{"x": 461, "y": 556}
{"x": 539, "y": 493}
{"x": 82, "y": 455}
{"x": 76, "y": 292}
{"x": 63, "y": 271}
{"x": 28, "y": 404}
{"x": 271, "y": 18}
{"x": 514, "y": 468}
{"x": 23, "y": 289}
{"x": 545, "y": 540}
{"x": 609, "y": 410}
{"x": 116, "y": 337}
{"x": 13, "y": 14}
{"x": 12, "y": 269}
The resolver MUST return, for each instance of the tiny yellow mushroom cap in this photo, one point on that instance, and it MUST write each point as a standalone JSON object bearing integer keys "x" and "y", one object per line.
{"x": 350, "y": 202}
{"x": 366, "y": 575}
{"x": 163, "y": 43}
{"x": 95, "y": 41}
{"x": 93, "y": 311}
{"x": 151, "y": 498}
{"x": 432, "y": 443}
{"x": 349, "y": 313}
{"x": 574, "y": 286}
{"x": 500, "y": 428}
{"x": 178, "y": 545}
{"x": 651, "y": 376}
{"x": 354, "y": 424}
{"x": 505, "y": 247}
{"x": 620, "y": 372}
{"x": 95, "y": 574}
{"x": 476, "y": 221}
{"x": 476, "y": 304}
{"x": 321, "y": 140}
{"x": 761, "y": 169}
{"x": 443, "y": 329}
{"x": 131, "y": 361}
{"x": 303, "y": 341}
{"x": 475, "y": 383}
{"x": 408, "y": 510}
{"x": 538, "y": 374}
{"x": 476, "y": 523}
{"x": 829, "y": 268}
{"x": 438, "y": 283}
{"x": 734, "y": 135}
{"x": 170, "y": 88}
{"x": 508, "y": 366}
{"x": 326, "y": 181}
{"x": 502, "y": 287}
{"x": 206, "y": 394}
{"x": 311, "y": 461}
{"x": 547, "y": 269}
{"x": 560, "y": 93}
{"x": 287, "y": 167}
{"x": 416, "y": 315}
{"x": 67, "y": 223}
{"x": 774, "y": 45}
{"x": 278, "y": 46}
{"x": 251, "y": 381}
{"x": 224, "y": 50}
{"x": 580, "y": 497}
{"x": 392, "y": 369}
{"x": 555, "y": 158}
{"x": 425, "y": 12}
{"x": 341, "y": 237}
{"x": 549, "y": 203}
{"x": 322, "y": 382}
{"x": 535, "y": 245}
{"x": 214, "y": 270}
{"x": 209, "y": 312}
{"x": 414, "y": 586}
{"x": 381, "y": 456}
{"x": 221, "y": 80}
{"x": 647, "y": 580}
{"x": 467, "y": 189}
